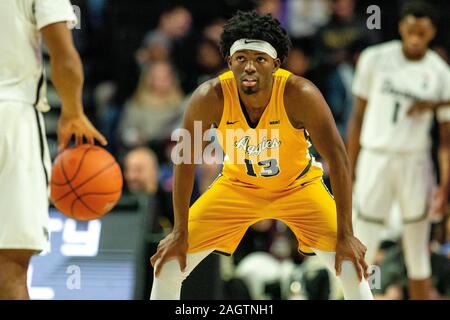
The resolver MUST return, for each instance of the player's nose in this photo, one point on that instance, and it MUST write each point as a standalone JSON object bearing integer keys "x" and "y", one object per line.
{"x": 415, "y": 41}
{"x": 250, "y": 67}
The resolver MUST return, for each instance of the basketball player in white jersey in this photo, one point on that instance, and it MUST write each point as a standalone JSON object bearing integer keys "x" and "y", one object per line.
{"x": 389, "y": 147}
{"x": 24, "y": 158}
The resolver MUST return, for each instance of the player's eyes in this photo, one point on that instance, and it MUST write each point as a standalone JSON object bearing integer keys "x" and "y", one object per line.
{"x": 240, "y": 58}
{"x": 260, "y": 59}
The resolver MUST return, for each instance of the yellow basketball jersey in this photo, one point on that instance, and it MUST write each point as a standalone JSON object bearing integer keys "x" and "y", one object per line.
{"x": 274, "y": 154}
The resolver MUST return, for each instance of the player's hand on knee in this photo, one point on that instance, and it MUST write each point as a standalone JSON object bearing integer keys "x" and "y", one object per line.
{"x": 172, "y": 246}
{"x": 350, "y": 248}
{"x": 80, "y": 127}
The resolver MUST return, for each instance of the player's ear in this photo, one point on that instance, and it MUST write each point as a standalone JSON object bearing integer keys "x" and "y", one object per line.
{"x": 276, "y": 64}
{"x": 229, "y": 62}
{"x": 402, "y": 27}
{"x": 433, "y": 32}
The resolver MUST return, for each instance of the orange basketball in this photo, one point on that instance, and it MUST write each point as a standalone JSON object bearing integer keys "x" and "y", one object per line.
{"x": 86, "y": 182}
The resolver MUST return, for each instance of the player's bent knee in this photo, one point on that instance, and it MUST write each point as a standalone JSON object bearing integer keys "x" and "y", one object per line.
{"x": 353, "y": 288}
{"x": 15, "y": 262}
{"x": 170, "y": 272}
{"x": 348, "y": 272}
{"x": 14, "y": 267}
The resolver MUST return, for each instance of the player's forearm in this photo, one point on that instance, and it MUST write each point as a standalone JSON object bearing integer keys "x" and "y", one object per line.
{"x": 182, "y": 192}
{"x": 67, "y": 77}
{"x": 444, "y": 156}
{"x": 354, "y": 132}
{"x": 342, "y": 191}
{"x": 444, "y": 166}
{"x": 353, "y": 145}
{"x": 441, "y": 103}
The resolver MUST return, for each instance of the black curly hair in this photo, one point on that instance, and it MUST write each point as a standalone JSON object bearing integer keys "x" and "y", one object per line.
{"x": 420, "y": 9}
{"x": 251, "y": 25}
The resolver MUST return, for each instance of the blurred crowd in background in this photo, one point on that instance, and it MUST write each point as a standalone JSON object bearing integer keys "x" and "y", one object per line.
{"x": 142, "y": 60}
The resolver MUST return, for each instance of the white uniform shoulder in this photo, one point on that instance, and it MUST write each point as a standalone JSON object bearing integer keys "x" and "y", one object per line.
{"x": 20, "y": 46}
{"x": 50, "y": 11}
{"x": 436, "y": 62}
{"x": 368, "y": 64}
{"x": 382, "y": 49}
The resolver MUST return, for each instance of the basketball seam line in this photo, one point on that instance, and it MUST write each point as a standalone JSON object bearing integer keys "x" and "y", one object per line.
{"x": 89, "y": 194}
{"x": 98, "y": 193}
{"x": 76, "y": 171}
{"x": 84, "y": 203}
{"x": 76, "y": 194}
{"x": 85, "y": 181}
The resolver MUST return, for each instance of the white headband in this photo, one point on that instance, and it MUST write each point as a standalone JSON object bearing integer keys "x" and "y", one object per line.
{"x": 252, "y": 44}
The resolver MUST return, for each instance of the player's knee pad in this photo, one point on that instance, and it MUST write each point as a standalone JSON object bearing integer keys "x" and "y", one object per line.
{"x": 348, "y": 273}
{"x": 171, "y": 273}
{"x": 416, "y": 249}
{"x": 352, "y": 287}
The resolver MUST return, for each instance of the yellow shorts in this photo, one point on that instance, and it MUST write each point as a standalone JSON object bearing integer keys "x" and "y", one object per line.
{"x": 221, "y": 216}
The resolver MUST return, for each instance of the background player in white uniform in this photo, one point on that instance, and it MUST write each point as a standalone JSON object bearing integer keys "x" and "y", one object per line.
{"x": 391, "y": 149}
{"x": 24, "y": 159}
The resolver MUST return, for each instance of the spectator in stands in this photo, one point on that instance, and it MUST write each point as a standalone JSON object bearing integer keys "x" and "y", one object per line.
{"x": 338, "y": 85}
{"x": 274, "y": 7}
{"x": 214, "y": 29}
{"x": 156, "y": 48}
{"x": 298, "y": 62}
{"x": 175, "y": 30}
{"x": 174, "y": 23}
{"x": 340, "y": 33}
{"x": 209, "y": 61}
{"x": 149, "y": 115}
{"x": 304, "y": 17}
{"x": 141, "y": 171}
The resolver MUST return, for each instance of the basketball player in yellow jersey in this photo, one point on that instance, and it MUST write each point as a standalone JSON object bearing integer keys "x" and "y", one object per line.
{"x": 268, "y": 111}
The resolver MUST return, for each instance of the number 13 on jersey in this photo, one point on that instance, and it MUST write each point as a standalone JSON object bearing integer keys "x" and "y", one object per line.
{"x": 269, "y": 167}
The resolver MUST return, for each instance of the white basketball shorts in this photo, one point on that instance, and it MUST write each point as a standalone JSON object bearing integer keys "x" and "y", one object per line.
{"x": 24, "y": 175}
{"x": 385, "y": 178}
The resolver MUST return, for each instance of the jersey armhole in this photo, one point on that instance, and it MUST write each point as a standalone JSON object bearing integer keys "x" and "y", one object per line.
{"x": 285, "y": 114}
